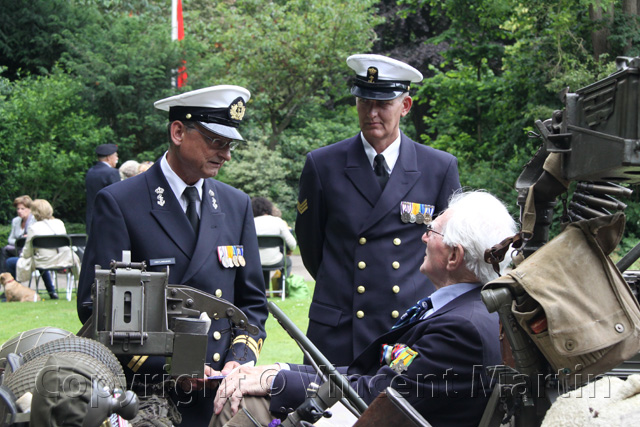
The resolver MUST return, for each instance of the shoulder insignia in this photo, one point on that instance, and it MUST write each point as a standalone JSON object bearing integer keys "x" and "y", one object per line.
{"x": 302, "y": 206}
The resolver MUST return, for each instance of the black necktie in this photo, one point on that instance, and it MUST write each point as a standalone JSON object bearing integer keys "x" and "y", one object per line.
{"x": 192, "y": 211}
{"x": 414, "y": 313}
{"x": 380, "y": 168}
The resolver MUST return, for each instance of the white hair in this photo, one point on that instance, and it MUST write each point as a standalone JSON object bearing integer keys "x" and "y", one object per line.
{"x": 129, "y": 169}
{"x": 477, "y": 221}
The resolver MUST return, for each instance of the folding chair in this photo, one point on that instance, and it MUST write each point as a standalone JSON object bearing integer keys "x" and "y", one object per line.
{"x": 272, "y": 241}
{"x": 57, "y": 242}
{"x": 79, "y": 242}
{"x": 20, "y": 241}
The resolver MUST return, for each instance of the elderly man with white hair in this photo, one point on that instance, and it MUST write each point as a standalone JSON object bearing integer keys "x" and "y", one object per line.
{"x": 437, "y": 352}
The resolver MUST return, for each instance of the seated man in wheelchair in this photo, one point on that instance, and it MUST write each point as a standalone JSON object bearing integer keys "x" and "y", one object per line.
{"x": 435, "y": 356}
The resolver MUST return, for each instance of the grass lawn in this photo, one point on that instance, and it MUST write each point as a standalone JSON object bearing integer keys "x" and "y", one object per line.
{"x": 20, "y": 317}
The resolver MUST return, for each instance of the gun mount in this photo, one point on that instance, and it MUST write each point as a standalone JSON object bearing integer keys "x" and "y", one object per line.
{"x": 595, "y": 142}
{"x": 137, "y": 312}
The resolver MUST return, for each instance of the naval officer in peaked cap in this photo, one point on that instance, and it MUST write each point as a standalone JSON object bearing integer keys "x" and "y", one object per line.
{"x": 362, "y": 206}
{"x": 175, "y": 215}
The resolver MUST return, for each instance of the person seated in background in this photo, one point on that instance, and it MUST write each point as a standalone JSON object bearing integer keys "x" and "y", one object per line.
{"x": 45, "y": 225}
{"x": 19, "y": 226}
{"x": 435, "y": 355}
{"x": 128, "y": 169}
{"x": 268, "y": 224}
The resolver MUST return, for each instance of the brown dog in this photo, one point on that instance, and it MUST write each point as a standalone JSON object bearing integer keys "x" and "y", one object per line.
{"x": 14, "y": 291}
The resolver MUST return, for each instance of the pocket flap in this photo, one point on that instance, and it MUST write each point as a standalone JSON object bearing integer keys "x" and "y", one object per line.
{"x": 325, "y": 314}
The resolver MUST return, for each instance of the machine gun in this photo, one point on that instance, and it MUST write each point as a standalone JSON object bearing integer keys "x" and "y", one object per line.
{"x": 594, "y": 141}
{"x": 137, "y": 312}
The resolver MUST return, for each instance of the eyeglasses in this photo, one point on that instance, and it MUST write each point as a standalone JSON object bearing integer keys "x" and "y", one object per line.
{"x": 429, "y": 229}
{"x": 217, "y": 143}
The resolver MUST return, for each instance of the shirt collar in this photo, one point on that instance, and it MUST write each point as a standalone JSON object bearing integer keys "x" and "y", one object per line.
{"x": 444, "y": 296}
{"x": 177, "y": 184}
{"x": 391, "y": 153}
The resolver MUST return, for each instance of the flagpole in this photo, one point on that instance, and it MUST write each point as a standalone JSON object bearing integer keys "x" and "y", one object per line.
{"x": 177, "y": 33}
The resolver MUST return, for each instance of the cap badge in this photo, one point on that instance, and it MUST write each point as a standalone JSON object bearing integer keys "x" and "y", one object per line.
{"x": 372, "y": 74}
{"x": 236, "y": 109}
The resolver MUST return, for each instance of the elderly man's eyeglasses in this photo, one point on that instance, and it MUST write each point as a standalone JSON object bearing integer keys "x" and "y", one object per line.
{"x": 429, "y": 229}
{"x": 217, "y": 143}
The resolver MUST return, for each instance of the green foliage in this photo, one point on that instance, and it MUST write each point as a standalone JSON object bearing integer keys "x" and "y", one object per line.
{"x": 125, "y": 62}
{"x": 47, "y": 144}
{"x": 261, "y": 172}
{"x": 29, "y": 29}
{"x": 288, "y": 53}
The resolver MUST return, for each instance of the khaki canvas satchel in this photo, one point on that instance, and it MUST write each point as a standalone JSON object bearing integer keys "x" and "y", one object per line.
{"x": 574, "y": 303}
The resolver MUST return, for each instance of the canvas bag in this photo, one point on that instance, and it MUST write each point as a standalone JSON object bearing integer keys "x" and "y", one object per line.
{"x": 592, "y": 317}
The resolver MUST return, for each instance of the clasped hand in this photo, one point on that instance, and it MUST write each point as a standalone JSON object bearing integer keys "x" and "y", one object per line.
{"x": 245, "y": 380}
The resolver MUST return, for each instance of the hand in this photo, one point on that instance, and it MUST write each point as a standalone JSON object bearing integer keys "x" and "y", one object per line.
{"x": 254, "y": 381}
{"x": 188, "y": 384}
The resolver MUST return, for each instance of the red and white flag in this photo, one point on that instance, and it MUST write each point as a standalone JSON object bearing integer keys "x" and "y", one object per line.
{"x": 177, "y": 33}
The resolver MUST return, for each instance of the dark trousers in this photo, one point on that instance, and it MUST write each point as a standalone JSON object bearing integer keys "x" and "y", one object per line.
{"x": 7, "y": 252}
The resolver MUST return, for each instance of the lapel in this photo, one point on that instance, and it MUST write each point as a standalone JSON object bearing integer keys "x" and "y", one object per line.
{"x": 404, "y": 176}
{"x": 360, "y": 173}
{"x": 211, "y": 226}
{"x": 167, "y": 211}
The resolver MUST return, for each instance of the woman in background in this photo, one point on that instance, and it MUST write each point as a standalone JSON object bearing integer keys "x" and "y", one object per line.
{"x": 19, "y": 226}
{"x": 45, "y": 225}
{"x": 268, "y": 224}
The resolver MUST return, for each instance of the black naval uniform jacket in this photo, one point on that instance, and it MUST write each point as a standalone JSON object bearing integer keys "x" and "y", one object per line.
{"x": 446, "y": 382}
{"x": 141, "y": 214}
{"x": 364, "y": 259}
{"x": 99, "y": 176}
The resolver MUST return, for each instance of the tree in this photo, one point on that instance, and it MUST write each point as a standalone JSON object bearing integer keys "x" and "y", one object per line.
{"x": 30, "y": 41}
{"x": 288, "y": 53}
{"x": 125, "y": 61}
{"x": 48, "y": 143}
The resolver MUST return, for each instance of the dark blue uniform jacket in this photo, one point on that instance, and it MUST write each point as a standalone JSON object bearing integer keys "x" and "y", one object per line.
{"x": 99, "y": 176}
{"x": 446, "y": 382}
{"x": 142, "y": 215}
{"x": 364, "y": 258}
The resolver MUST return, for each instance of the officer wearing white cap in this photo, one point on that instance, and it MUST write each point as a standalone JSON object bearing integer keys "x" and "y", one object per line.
{"x": 100, "y": 175}
{"x": 362, "y": 204}
{"x": 174, "y": 215}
